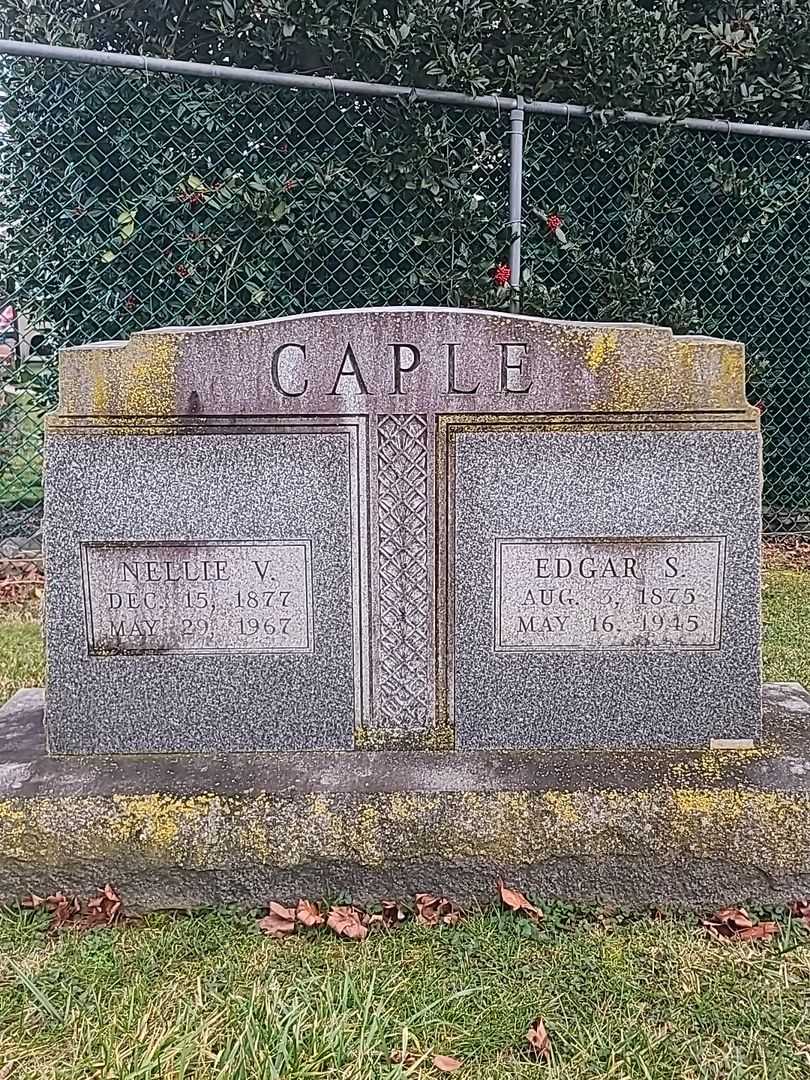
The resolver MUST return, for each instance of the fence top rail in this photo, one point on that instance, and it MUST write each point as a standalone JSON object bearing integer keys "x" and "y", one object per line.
{"x": 328, "y": 84}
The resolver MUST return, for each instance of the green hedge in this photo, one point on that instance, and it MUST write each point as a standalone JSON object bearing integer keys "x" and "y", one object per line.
{"x": 147, "y": 201}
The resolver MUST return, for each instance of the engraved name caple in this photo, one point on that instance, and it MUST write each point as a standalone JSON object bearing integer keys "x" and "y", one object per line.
{"x": 401, "y": 360}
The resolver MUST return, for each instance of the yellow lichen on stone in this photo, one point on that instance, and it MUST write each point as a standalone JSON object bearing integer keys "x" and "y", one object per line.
{"x": 368, "y": 836}
{"x": 718, "y": 803}
{"x": 604, "y": 348}
{"x": 563, "y": 806}
{"x": 766, "y": 827}
{"x": 100, "y": 390}
{"x": 149, "y": 379}
{"x": 685, "y": 354}
{"x": 15, "y": 838}
{"x": 643, "y": 371}
{"x": 125, "y": 380}
{"x": 730, "y": 386}
{"x": 734, "y": 824}
{"x": 731, "y": 364}
{"x": 716, "y": 764}
{"x": 156, "y": 822}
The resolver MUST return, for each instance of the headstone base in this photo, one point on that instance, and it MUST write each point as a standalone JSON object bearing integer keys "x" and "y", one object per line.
{"x": 636, "y": 827}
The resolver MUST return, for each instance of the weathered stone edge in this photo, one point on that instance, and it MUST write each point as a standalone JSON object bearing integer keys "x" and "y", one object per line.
{"x": 711, "y": 836}
{"x": 781, "y": 762}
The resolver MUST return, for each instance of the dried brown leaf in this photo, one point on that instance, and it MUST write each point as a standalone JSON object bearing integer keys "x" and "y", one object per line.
{"x": 735, "y": 918}
{"x": 800, "y": 910}
{"x": 393, "y": 913}
{"x": 539, "y": 1039}
{"x": 309, "y": 914}
{"x": 403, "y": 1057}
{"x": 735, "y": 924}
{"x": 517, "y": 902}
{"x": 103, "y": 908}
{"x": 446, "y": 1064}
{"x": 434, "y": 910}
{"x": 761, "y": 932}
{"x": 427, "y": 908}
{"x": 282, "y": 911}
{"x": 63, "y": 908}
{"x": 347, "y": 922}
{"x": 279, "y": 922}
{"x": 728, "y": 922}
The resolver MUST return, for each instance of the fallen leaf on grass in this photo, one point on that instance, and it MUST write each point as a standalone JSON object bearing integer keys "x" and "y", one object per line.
{"x": 19, "y": 581}
{"x": 446, "y": 1064}
{"x": 735, "y": 924}
{"x": 279, "y": 921}
{"x": 100, "y": 910}
{"x": 403, "y": 1057}
{"x": 517, "y": 902}
{"x": 763, "y": 931}
{"x": 800, "y": 910}
{"x": 103, "y": 909}
{"x": 433, "y": 910}
{"x": 347, "y": 922}
{"x": 393, "y": 913}
{"x": 733, "y": 919}
{"x": 539, "y": 1040}
{"x": 309, "y": 914}
{"x": 6, "y": 1071}
{"x": 63, "y": 908}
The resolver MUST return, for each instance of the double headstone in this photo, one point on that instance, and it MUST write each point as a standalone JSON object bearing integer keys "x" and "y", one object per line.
{"x": 402, "y": 528}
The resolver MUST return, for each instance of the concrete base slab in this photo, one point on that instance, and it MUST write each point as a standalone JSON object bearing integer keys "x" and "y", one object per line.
{"x": 178, "y": 830}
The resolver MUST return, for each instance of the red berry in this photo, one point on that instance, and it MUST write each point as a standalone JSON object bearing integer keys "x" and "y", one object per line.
{"x": 182, "y": 270}
{"x": 501, "y": 275}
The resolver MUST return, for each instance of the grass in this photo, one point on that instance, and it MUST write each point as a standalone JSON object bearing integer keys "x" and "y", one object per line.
{"x": 21, "y": 472}
{"x": 786, "y": 617}
{"x": 204, "y": 997}
{"x": 22, "y": 661}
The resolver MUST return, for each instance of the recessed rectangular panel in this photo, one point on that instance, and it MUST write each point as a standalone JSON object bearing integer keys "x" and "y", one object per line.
{"x": 593, "y": 603}
{"x": 612, "y": 593}
{"x": 198, "y": 597}
{"x": 170, "y": 591}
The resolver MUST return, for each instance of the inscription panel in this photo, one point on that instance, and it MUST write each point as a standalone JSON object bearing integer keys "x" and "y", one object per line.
{"x": 613, "y": 593}
{"x": 198, "y": 597}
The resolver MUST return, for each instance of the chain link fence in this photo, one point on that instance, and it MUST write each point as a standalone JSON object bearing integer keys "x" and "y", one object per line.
{"x": 131, "y": 199}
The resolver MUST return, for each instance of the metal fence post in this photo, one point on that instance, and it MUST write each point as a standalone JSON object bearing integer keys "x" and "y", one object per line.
{"x": 516, "y": 118}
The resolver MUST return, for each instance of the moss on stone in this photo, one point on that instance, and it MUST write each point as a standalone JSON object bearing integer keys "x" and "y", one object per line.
{"x": 210, "y": 830}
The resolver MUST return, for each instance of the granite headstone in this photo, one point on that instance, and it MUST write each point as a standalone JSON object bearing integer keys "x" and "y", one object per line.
{"x": 404, "y": 527}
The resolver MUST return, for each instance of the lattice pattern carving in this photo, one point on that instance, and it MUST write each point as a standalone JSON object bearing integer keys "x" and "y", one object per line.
{"x": 404, "y": 673}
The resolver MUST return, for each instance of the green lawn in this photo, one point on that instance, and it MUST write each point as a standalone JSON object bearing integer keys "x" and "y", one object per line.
{"x": 22, "y": 661}
{"x": 207, "y": 998}
{"x": 21, "y": 470}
